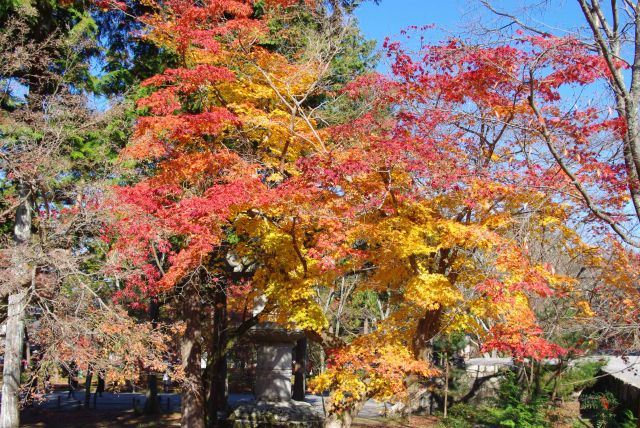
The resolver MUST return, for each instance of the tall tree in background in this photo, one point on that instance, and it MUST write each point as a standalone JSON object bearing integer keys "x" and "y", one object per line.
{"x": 56, "y": 158}
{"x": 32, "y": 72}
{"x": 123, "y": 58}
{"x": 612, "y": 34}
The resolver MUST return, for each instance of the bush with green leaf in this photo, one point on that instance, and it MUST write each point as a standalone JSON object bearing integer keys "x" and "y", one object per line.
{"x": 603, "y": 406}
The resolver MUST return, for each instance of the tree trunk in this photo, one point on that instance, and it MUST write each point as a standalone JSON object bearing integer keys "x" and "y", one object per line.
{"x": 537, "y": 384}
{"x": 191, "y": 353}
{"x": 428, "y": 327}
{"x": 446, "y": 383}
{"x": 87, "y": 387}
{"x": 14, "y": 339}
{"x": 217, "y": 365}
{"x": 152, "y": 404}
{"x": 218, "y": 391}
{"x": 344, "y": 420}
{"x": 27, "y": 349}
{"x": 299, "y": 382}
{"x": 10, "y": 411}
{"x": 335, "y": 421}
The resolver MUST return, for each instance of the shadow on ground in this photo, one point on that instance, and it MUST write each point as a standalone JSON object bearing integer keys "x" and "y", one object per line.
{"x": 37, "y": 418}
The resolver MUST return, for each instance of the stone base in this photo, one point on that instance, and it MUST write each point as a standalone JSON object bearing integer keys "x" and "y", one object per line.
{"x": 285, "y": 414}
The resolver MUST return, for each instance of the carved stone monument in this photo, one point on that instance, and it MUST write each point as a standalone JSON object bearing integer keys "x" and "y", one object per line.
{"x": 274, "y": 361}
{"x": 274, "y": 406}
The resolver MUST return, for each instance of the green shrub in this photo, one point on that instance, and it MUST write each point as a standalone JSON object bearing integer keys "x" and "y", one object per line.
{"x": 510, "y": 409}
{"x": 519, "y": 407}
{"x": 604, "y": 405}
{"x": 521, "y": 415}
{"x": 628, "y": 420}
{"x": 460, "y": 416}
{"x": 574, "y": 378}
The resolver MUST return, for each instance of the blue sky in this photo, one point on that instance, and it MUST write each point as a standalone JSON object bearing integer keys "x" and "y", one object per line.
{"x": 391, "y": 16}
{"x": 454, "y": 18}
{"x": 451, "y": 16}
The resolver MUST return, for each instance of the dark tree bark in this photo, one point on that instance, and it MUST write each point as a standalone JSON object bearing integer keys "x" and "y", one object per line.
{"x": 87, "y": 387}
{"x": 300, "y": 370}
{"x": 446, "y": 383}
{"x": 14, "y": 339}
{"x": 191, "y": 353}
{"x": 152, "y": 405}
{"x": 428, "y": 327}
{"x": 217, "y": 393}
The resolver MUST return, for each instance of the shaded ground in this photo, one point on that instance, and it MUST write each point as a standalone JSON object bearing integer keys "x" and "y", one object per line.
{"x": 95, "y": 419}
{"x": 110, "y": 402}
{"x": 124, "y": 410}
{"x": 169, "y": 403}
{"x": 564, "y": 416}
{"x": 106, "y": 419}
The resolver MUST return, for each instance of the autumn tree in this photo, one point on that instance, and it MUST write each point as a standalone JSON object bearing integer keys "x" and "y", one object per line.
{"x": 448, "y": 190}
{"x": 422, "y": 196}
{"x": 55, "y": 163}
{"x": 21, "y": 157}
{"x": 554, "y": 125}
{"x": 611, "y": 38}
{"x": 599, "y": 166}
{"x": 218, "y": 193}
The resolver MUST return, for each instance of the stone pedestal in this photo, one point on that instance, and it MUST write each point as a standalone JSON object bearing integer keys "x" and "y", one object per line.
{"x": 273, "y": 372}
{"x": 283, "y": 414}
{"x": 274, "y": 360}
{"x": 274, "y": 406}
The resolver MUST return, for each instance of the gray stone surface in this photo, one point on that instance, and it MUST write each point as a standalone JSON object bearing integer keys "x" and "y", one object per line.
{"x": 269, "y": 332}
{"x": 273, "y": 372}
{"x": 485, "y": 366}
{"x": 272, "y": 385}
{"x": 274, "y": 346}
{"x": 276, "y": 414}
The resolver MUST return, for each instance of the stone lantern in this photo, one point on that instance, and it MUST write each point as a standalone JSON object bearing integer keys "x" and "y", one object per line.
{"x": 274, "y": 361}
{"x": 272, "y": 388}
